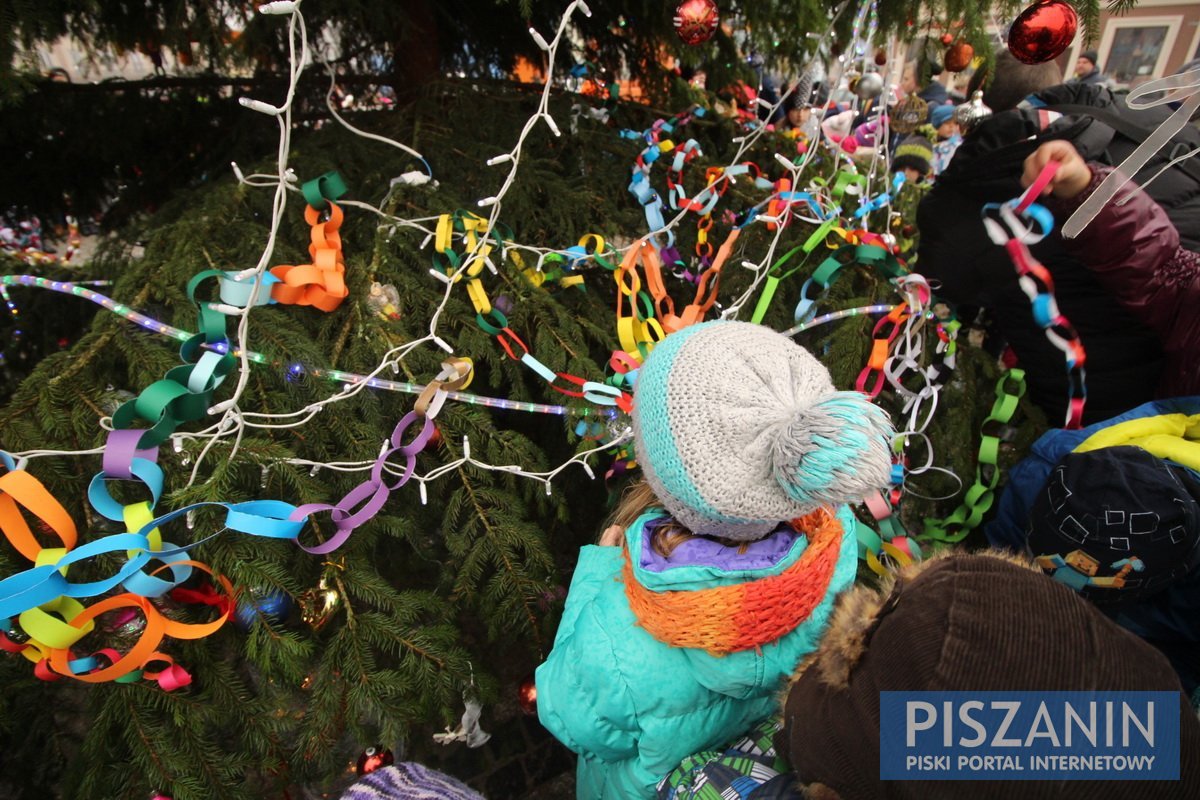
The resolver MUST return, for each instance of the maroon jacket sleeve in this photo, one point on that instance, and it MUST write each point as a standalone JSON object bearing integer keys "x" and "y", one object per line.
{"x": 1134, "y": 251}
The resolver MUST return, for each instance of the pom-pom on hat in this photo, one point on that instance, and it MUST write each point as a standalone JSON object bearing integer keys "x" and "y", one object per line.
{"x": 737, "y": 428}
{"x": 409, "y": 780}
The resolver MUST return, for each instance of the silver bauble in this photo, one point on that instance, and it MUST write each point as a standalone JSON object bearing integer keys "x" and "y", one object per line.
{"x": 869, "y": 86}
{"x": 969, "y": 115}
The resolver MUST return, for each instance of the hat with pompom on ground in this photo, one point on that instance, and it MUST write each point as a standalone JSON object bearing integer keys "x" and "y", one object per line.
{"x": 408, "y": 780}
{"x": 737, "y": 428}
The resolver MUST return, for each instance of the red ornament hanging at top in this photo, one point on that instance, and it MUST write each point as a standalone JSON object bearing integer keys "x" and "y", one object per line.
{"x": 696, "y": 21}
{"x": 1042, "y": 32}
{"x": 959, "y": 56}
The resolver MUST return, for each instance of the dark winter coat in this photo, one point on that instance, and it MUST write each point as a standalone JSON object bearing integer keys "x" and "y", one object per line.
{"x": 1093, "y": 78}
{"x": 1169, "y": 620}
{"x": 935, "y": 94}
{"x": 1124, "y": 357}
{"x": 1133, "y": 250}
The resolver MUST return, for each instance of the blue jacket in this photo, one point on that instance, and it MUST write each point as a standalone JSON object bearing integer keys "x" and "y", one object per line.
{"x": 1171, "y": 619}
{"x": 632, "y": 706}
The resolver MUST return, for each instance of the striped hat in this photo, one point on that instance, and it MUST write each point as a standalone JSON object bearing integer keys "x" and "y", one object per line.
{"x": 408, "y": 780}
{"x": 914, "y": 152}
{"x": 737, "y": 429}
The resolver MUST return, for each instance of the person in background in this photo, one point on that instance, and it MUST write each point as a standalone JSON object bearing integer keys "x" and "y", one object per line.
{"x": 1125, "y": 356}
{"x": 722, "y": 565}
{"x": 800, "y": 119}
{"x": 934, "y": 93}
{"x": 1087, "y": 72}
{"x": 948, "y": 136}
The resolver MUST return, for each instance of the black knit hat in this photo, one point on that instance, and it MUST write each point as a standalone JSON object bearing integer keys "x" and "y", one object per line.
{"x": 914, "y": 152}
{"x": 1092, "y": 56}
{"x": 975, "y": 623}
{"x": 1116, "y": 524}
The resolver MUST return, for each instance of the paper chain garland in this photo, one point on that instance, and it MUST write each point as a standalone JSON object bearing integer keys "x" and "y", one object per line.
{"x": 46, "y": 603}
{"x": 1006, "y": 225}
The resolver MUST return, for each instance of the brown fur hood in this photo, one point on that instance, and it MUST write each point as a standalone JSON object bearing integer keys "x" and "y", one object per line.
{"x": 859, "y": 610}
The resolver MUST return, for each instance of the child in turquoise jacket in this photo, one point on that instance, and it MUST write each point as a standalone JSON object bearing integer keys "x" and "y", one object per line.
{"x": 722, "y": 568}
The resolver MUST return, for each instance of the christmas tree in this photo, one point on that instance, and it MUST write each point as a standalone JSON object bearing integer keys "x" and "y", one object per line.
{"x": 515, "y": 198}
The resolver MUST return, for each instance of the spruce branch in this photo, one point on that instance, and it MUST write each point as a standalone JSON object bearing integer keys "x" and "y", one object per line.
{"x": 97, "y": 346}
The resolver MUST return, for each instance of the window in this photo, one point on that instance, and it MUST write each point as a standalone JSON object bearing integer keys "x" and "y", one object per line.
{"x": 1134, "y": 50}
{"x": 1134, "y": 53}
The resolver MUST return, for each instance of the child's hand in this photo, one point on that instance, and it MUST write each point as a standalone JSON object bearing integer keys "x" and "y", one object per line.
{"x": 1073, "y": 174}
{"x": 613, "y": 536}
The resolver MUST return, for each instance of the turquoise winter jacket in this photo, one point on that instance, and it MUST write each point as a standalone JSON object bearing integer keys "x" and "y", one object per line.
{"x": 633, "y": 707}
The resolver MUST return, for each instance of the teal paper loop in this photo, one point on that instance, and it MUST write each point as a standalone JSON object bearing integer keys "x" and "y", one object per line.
{"x": 211, "y": 324}
{"x": 187, "y": 406}
{"x": 206, "y": 375}
{"x": 329, "y": 186}
{"x": 805, "y": 309}
{"x": 237, "y": 293}
{"x": 868, "y": 540}
{"x": 144, "y": 470}
{"x": 600, "y": 394}
{"x": 157, "y": 397}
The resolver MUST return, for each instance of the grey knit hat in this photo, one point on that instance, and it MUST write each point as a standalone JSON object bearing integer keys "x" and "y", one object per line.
{"x": 409, "y": 780}
{"x": 737, "y": 428}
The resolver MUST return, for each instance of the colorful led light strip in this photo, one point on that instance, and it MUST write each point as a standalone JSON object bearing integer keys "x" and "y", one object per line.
{"x": 836, "y": 315}
{"x": 151, "y": 324}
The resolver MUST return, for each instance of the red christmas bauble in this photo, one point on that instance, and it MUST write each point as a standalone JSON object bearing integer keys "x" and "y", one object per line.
{"x": 696, "y": 21}
{"x": 527, "y": 696}
{"x": 947, "y": 38}
{"x": 881, "y": 56}
{"x": 958, "y": 56}
{"x": 1042, "y": 31}
{"x": 373, "y": 758}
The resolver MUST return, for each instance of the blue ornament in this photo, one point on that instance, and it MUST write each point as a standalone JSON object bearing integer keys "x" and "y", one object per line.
{"x": 274, "y": 606}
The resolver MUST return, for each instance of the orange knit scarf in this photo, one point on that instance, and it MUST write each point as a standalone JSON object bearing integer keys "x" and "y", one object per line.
{"x": 725, "y": 619}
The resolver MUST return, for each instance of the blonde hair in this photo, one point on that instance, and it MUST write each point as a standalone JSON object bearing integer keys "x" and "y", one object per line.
{"x": 636, "y": 500}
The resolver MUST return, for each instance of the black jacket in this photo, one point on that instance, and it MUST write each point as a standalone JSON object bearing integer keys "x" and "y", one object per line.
{"x": 935, "y": 94}
{"x": 1124, "y": 357}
